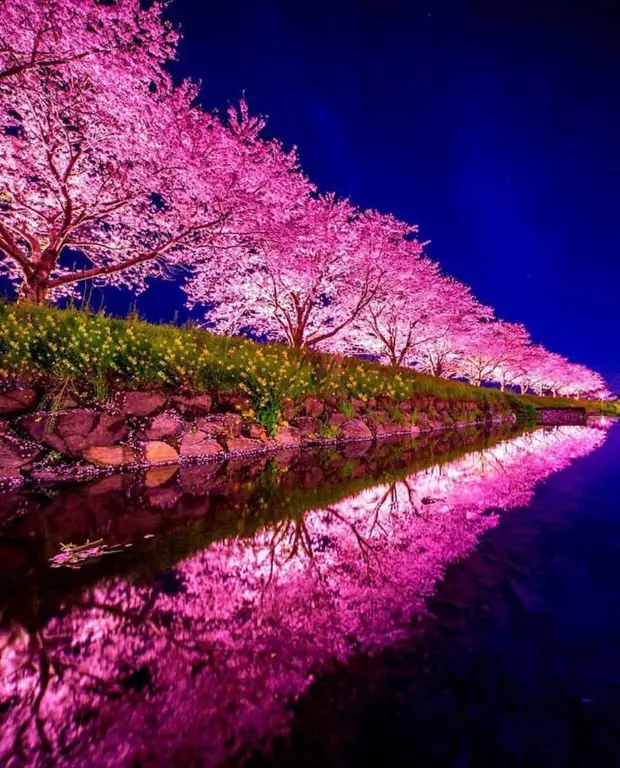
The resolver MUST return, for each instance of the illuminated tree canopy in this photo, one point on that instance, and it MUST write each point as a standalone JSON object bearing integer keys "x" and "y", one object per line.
{"x": 111, "y": 172}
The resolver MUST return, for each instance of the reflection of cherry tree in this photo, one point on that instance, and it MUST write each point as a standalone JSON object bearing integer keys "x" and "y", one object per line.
{"x": 201, "y": 664}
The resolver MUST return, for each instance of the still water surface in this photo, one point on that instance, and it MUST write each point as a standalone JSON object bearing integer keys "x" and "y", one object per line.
{"x": 453, "y": 600}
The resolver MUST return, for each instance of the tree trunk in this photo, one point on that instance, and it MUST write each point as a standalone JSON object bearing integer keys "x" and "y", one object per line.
{"x": 297, "y": 339}
{"x": 33, "y": 292}
{"x": 35, "y": 287}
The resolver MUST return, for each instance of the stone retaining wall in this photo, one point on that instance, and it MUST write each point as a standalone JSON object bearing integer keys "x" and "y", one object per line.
{"x": 77, "y": 441}
{"x": 561, "y": 416}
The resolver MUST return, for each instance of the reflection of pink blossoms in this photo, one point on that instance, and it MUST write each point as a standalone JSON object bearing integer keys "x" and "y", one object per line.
{"x": 202, "y": 665}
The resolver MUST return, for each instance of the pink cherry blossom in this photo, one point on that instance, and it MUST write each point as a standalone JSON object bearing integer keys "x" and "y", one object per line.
{"x": 206, "y": 670}
{"x": 111, "y": 172}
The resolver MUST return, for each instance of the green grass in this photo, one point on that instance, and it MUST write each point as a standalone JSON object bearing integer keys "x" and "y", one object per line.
{"x": 91, "y": 353}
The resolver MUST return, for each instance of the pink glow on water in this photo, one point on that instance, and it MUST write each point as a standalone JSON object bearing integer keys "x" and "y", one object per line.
{"x": 208, "y": 664}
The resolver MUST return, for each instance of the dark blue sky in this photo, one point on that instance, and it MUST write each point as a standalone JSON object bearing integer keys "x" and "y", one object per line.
{"x": 493, "y": 125}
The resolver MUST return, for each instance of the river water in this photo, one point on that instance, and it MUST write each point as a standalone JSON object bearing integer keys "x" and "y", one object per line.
{"x": 453, "y": 600}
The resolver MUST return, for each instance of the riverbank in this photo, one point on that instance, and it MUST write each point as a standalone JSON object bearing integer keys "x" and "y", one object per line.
{"x": 189, "y": 507}
{"x": 81, "y": 440}
{"x": 83, "y": 394}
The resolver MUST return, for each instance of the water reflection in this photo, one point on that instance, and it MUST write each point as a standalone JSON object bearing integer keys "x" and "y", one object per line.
{"x": 198, "y": 663}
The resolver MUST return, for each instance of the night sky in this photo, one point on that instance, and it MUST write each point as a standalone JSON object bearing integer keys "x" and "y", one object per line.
{"x": 495, "y": 126}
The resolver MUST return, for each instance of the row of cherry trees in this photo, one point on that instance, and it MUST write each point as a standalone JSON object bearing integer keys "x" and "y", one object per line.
{"x": 112, "y": 173}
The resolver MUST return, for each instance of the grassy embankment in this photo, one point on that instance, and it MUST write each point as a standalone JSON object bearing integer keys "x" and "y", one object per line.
{"x": 96, "y": 355}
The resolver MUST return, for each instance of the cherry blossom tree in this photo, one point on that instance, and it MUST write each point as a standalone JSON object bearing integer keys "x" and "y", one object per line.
{"x": 585, "y": 383}
{"x": 309, "y": 278}
{"x": 416, "y": 306}
{"x": 560, "y": 377}
{"x": 543, "y": 371}
{"x": 490, "y": 350}
{"x": 106, "y": 176}
{"x": 516, "y": 355}
{"x": 37, "y": 34}
{"x": 439, "y": 356}
{"x": 454, "y": 316}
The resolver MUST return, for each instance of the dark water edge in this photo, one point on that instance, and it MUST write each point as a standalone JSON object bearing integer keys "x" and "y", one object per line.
{"x": 451, "y": 600}
{"x": 166, "y": 514}
{"x": 518, "y": 661}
